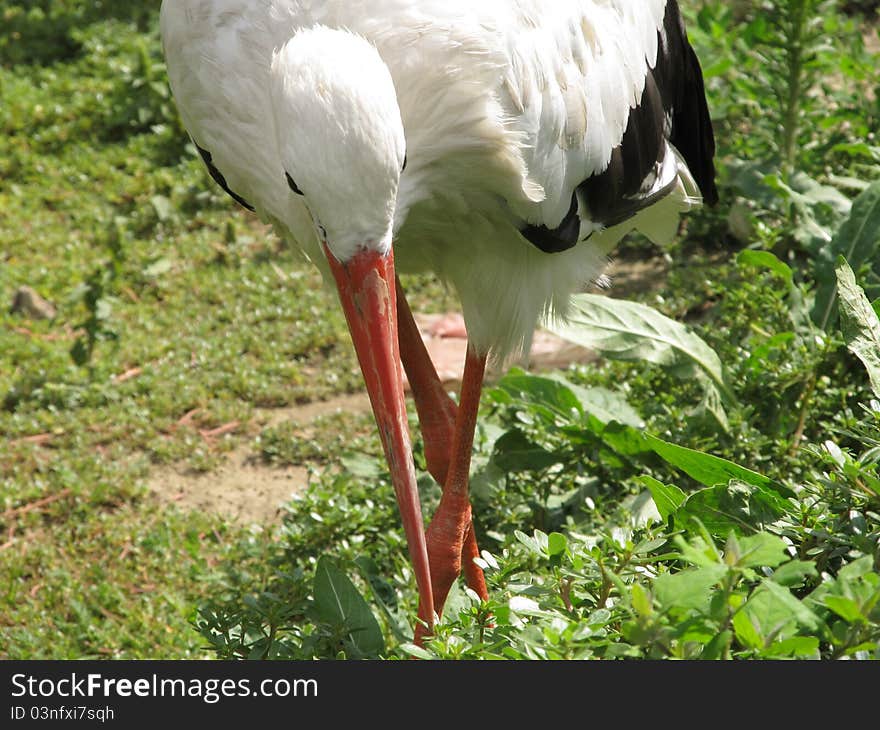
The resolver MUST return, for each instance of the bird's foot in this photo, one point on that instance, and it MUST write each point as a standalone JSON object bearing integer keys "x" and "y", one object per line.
{"x": 450, "y": 558}
{"x": 445, "y": 541}
{"x": 437, "y": 435}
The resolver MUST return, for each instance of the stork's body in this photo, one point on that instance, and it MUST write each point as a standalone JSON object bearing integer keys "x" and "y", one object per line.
{"x": 505, "y": 145}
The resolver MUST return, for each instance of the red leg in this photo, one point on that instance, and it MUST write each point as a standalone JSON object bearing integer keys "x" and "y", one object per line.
{"x": 447, "y": 531}
{"x": 437, "y": 415}
{"x": 437, "y": 411}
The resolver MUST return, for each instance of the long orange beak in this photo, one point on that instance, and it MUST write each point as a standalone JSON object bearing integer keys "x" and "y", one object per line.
{"x": 367, "y": 290}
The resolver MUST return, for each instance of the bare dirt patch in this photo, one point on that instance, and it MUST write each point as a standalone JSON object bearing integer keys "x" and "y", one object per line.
{"x": 244, "y": 489}
{"x": 240, "y": 490}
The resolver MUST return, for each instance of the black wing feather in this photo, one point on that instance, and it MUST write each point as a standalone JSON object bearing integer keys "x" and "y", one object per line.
{"x": 673, "y": 104}
{"x": 680, "y": 80}
{"x": 218, "y": 178}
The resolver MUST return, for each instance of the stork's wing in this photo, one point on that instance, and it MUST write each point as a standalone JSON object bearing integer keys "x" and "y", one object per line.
{"x": 218, "y": 55}
{"x": 618, "y": 122}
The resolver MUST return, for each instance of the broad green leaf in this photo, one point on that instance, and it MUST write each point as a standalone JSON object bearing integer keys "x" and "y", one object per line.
{"x": 731, "y": 554}
{"x": 524, "y": 606}
{"x": 549, "y": 397}
{"x": 515, "y": 452}
{"x": 857, "y": 241}
{"x": 767, "y": 260}
{"x": 808, "y": 196}
{"x": 384, "y": 595}
{"x": 625, "y": 440}
{"x": 744, "y": 507}
{"x": 689, "y": 589}
{"x": 801, "y": 647}
{"x": 667, "y": 497}
{"x": 649, "y": 545}
{"x": 811, "y": 191}
{"x": 339, "y": 603}
{"x": 641, "y": 600}
{"x": 736, "y": 506}
{"x": 811, "y": 199}
{"x": 794, "y": 573}
{"x": 848, "y": 182}
{"x": 860, "y": 325}
{"x": 774, "y": 605}
{"x": 844, "y": 607}
{"x": 537, "y": 544}
{"x": 761, "y": 550}
{"x": 746, "y": 631}
{"x": 556, "y": 544}
{"x": 856, "y": 569}
{"x": 457, "y": 601}
{"x": 859, "y": 149}
{"x": 712, "y": 403}
{"x": 417, "y": 652}
{"x": 625, "y": 330}
{"x": 700, "y": 466}
{"x": 606, "y": 405}
{"x": 643, "y": 510}
{"x": 718, "y": 646}
{"x": 852, "y": 578}
{"x": 750, "y": 178}
{"x": 704, "y": 468}
{"x": 700, "y": 550}
{"x": 806, "y": 192}
{"x": 697, "y": 630}
{"x": 737, "y": 499}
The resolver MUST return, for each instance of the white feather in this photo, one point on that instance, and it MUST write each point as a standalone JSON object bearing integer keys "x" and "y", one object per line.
{"x": 506, "y": 106}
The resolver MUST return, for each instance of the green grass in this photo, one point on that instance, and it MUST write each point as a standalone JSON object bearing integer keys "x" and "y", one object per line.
{"x": 106, "y": 211}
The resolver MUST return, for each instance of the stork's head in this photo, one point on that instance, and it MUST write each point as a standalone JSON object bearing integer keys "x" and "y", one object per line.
{"x": 341, "y": 142}
{"x": 340, "y": 136}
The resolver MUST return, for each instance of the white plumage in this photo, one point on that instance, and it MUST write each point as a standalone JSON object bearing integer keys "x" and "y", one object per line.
{"x": 507, "y": 105}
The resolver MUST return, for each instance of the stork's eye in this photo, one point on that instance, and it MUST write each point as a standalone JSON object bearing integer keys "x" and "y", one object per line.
{"x": 292, "y": 185}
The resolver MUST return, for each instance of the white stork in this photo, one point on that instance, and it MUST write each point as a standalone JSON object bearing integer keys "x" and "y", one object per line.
{"x": 505, "y": 145}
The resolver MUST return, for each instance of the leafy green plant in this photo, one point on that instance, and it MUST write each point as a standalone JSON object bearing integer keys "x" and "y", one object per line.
{"x": 858, "y": 241}
{"x": 796, "y": 81}
{"x": 44, "y": 31}
{"x": 97, "y": 294}
{"x": 630, "y": 331}
{"x": 861, "y": 327}
{"x": 792, "y": 44}
{"x": 730, "y": 569}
